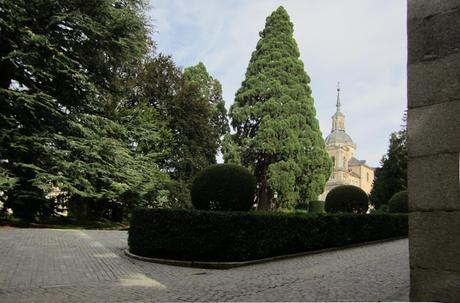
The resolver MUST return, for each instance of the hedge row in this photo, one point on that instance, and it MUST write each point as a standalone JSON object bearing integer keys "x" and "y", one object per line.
{"x": 238, "y": 236}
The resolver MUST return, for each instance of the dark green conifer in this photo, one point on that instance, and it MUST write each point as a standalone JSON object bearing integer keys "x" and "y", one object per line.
{"x": 65, "y": 69}
{"x": 277, "y": 132}
{"x": 391, "y": 177}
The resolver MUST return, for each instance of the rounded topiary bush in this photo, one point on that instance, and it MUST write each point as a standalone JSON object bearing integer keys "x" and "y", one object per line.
{"x": 347, "y": 198}
{"x": 223, "y": 187}
{"x": 399, "y": 203}
{"x": 317, "y": 207}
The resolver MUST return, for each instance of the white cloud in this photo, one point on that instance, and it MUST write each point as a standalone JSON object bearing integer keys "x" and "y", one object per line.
{"x": 361, "y": 43}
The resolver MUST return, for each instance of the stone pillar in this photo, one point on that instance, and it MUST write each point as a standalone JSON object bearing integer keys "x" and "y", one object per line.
{"x": 434, "y": 146}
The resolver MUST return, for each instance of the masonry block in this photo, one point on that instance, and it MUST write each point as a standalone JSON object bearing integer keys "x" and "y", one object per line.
{"x": 434, "y": 240}
{"x": 434, "y": 285}
{"x": 434, "y": 183}
{"x": 434, "y": 129}
{"x": 434, "y": 36}
{"x": 425, "y": 8}
{"x": 442, "y": 85}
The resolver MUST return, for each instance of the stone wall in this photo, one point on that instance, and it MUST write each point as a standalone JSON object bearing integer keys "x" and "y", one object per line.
{"x": 434, "y": 146}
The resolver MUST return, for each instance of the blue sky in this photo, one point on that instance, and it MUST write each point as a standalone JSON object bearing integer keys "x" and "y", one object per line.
{"x": 361, "y": 43}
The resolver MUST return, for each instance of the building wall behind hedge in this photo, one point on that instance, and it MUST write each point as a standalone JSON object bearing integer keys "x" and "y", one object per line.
{"x": 237, "y": 236}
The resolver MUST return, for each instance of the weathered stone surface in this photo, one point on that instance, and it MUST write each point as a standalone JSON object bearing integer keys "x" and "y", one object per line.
{"x": 425, "y": 8}
{"x": 442, "y": 85}
{"x": 434, "y": 129}
{"x": 435, "y": 240}
{"x": 434, "y": 37}
{"x": 434, "y": 145}
{"x": 434, "y": 285}
{"x": 432, "y": 179}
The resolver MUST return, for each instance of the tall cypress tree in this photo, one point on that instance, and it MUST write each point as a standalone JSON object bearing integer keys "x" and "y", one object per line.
{"x": 274, "y": 116}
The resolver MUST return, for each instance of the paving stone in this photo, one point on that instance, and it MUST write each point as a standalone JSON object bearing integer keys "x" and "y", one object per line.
{"x": 39, "y": 265}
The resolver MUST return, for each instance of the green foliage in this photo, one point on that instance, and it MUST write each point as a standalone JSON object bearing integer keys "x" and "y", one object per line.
{"x": 66, "y": 67}
{"x": 399, "y": 203}
{"x": 240, "y": 236}
{"x": 391, "y": 176}
{"x": 191, "y": 104}
{"x": 347, "y": 198}
{"x": 211, "y": 90}
{"x": 230, "y": 150}
{"x": 277, "y": 133}
{"x": 302, "y": 206}
{"x": 317, "y": 207}
{"x": 223, "y": 187}
{"x": 7, "y": 181}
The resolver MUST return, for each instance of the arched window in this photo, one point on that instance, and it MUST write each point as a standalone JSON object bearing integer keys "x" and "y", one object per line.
{"x": 344, "y": 162}
{"x": 333, "y": 161}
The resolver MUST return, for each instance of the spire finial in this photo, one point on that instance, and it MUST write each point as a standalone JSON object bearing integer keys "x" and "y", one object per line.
{"x": 338, "y": 97}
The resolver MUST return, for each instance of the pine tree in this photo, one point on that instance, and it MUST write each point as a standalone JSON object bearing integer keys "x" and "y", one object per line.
{"x": 274, "y": 116}
{"x": 391, "y": 176}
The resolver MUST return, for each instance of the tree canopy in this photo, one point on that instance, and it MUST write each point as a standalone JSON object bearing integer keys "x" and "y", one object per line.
{"x": 66, "y": 68}
{"x": 391, "y": 176}
{"x": 190, "y": 103}
{"x": 277, "y": 133}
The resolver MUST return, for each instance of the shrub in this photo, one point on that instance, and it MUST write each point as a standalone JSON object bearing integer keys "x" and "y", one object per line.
{"x": 223, "y": 187}
{"x": 399, "y": 202}
{"x": 347, "y": 198}
{"x": 238, "y": 236}
{"x": 302, "y": 206}
{"x": 317, "y": 207}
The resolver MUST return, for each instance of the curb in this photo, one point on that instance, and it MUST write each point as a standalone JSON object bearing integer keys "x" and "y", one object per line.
{"x": 228, "y": 265}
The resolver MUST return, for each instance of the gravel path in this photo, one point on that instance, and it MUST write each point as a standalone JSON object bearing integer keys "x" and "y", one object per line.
{"x": 46, "y": 265}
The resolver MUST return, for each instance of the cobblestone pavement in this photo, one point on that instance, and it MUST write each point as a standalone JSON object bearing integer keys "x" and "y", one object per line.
{"x": 46, "y": 265}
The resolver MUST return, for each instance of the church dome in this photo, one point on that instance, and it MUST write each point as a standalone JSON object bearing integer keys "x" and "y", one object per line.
{"x": 338, "y": 136}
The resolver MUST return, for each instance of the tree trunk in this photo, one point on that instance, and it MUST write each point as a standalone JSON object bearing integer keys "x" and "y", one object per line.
{"x": 265, "y": 195}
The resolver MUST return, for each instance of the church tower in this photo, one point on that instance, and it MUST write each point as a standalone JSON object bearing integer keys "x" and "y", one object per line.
{"x": 347, "y": 170}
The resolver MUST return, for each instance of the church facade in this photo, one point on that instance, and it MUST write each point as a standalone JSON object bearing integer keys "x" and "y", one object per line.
{"x": 347, "y": 170}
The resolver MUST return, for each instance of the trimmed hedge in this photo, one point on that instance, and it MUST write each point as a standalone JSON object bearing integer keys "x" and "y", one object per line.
{"x": 302, "y": 206}
{"x": 317, "y": 207}
{"x": 223, "y": 187}
{"x": 347, "y": 198}
{"x": 239, "y": 236}
{"x": 399, "y": 203}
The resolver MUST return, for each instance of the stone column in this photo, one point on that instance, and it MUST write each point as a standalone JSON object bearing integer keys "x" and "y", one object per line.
{"x": 434, "y": 146}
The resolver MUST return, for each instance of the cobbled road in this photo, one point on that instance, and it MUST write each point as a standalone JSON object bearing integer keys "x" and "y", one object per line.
{"x": 47, "y": 265}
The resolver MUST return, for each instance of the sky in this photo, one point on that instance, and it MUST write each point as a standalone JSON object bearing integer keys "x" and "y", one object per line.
{"x": 359, "y": 43}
